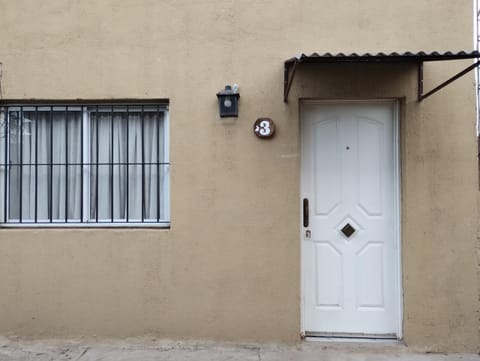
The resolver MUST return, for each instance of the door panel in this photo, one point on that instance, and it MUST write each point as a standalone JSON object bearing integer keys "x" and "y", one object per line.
{"x": 370, "y": 147}
{"x": 349, "y": 257}
{"x": 326, "y": 157}
{"x": 328, "y": 260}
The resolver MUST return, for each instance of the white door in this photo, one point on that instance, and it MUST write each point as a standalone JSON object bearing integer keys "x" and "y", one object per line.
{"x": 350, "y": 251}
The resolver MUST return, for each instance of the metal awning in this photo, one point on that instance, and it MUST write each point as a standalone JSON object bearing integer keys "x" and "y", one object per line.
{"x": 290, "y": 65}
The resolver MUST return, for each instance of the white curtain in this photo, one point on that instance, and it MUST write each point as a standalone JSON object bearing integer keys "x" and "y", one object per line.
{"x": 116, "y": 189}
{"x": 38, "y": 174}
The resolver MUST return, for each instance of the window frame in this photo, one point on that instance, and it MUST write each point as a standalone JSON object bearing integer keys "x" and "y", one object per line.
{"x": 158, "y": 105}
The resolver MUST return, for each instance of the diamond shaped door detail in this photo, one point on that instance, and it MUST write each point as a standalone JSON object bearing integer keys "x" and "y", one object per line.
{"x": 348, "y": 230}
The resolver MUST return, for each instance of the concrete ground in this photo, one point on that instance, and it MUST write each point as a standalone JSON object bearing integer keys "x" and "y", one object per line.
{"x": 150, "y": 349}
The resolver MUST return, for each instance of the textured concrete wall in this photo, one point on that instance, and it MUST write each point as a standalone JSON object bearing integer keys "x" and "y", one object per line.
{"x": 229, "y": 267}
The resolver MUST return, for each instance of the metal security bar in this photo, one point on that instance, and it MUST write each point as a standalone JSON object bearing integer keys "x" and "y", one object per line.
{"x": 71, "y": 164}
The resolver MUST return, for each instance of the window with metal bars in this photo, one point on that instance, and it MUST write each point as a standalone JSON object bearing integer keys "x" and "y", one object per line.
{"x": 98, "y": 164}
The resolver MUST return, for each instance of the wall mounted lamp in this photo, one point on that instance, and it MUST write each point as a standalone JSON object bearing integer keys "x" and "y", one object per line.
{"x": 228, "y": 101}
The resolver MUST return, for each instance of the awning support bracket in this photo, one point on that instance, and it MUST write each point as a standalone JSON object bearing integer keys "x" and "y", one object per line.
{"x": 288, "y": 78}
{"x": 420, "y": 81}
{"x": 422, "y": 96}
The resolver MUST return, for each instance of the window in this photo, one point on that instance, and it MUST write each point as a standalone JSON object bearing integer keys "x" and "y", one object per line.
{"x": 98, "y": 164}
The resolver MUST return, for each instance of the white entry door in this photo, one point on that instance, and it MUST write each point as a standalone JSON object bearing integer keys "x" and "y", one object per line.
{"x": 350, "y": 250}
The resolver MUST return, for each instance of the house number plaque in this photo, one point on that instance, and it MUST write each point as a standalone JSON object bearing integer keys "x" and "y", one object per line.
{"x": 264, "y": 128}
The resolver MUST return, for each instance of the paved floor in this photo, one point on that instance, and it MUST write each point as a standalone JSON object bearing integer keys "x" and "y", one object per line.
{"x": 149, "y": 349}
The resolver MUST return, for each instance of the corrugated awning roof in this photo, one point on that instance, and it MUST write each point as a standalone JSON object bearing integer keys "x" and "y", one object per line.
{"x": 383, "y": 57}
{"x": 395, "y": 57}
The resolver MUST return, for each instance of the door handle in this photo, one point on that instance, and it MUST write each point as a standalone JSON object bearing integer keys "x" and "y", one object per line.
{"x": 305, "y": 212}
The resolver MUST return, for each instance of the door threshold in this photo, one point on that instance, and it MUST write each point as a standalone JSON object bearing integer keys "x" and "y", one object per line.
{"x": 390, "y": 341}
{"x": 349, "y": 337}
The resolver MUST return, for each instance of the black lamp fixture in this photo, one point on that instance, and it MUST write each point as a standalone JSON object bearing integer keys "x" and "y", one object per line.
{"x": 228, "y": 101}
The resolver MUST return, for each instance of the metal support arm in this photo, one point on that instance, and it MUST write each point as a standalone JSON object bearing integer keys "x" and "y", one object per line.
{"x": 422, "y": 96}
{"x": 288, "y": 78}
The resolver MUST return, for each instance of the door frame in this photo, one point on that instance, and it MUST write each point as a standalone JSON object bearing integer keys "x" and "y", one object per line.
{"x": 396, "y": 202}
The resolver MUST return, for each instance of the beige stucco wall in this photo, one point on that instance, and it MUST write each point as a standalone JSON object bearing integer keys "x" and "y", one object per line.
{"x": 229, "y": 267}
